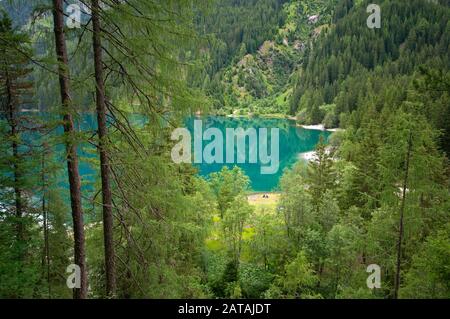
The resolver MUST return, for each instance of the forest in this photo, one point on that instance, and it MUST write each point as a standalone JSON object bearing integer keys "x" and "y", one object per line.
{"x": 92, "y": 206}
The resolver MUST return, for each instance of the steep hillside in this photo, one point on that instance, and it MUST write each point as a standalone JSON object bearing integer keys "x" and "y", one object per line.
{"x": 254, "y": 73}
{"x": 318, "y": 60}
{"x": 352, "y": 62}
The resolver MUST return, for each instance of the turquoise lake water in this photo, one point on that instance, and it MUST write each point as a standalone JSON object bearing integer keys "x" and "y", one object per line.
{"x": 293, "y": 141}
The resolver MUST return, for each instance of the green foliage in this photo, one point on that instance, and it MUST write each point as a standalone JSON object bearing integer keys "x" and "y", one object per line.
{"x": 351, "y": 62}
{"x": 298, "y": 281}
{"x": 254, "y": 280}
{"x": 21, "y": 269}
{"x": 320, "y": 173}
{"x": 227, "y": 185}
{"x": 252, "y": 70}
{"x": 429, "y": 273}
{"x": 181, "y": 236}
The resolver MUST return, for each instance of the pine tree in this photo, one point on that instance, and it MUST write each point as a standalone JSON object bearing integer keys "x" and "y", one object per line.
{"x": 71, "y": 148}
{"x": 15, "y": 87}
{"x": 320, "y": 176}
{"x": 16, "y": 163}
{"x": 104, "y": 156}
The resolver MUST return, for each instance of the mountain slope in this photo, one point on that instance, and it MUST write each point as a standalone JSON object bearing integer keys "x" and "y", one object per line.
{"x": 256, "y": 76}
{"x": 353, "y": 61}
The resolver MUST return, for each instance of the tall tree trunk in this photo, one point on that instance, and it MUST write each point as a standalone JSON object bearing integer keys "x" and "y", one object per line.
{"x": 15, "y": 150}
{"x": 104, "y": 160}
{"x": 71, "y": 148}
{"x": 402, "y": 213}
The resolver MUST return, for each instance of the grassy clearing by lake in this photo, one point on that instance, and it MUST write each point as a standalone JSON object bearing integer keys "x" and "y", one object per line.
{"x": 258, "y": 199}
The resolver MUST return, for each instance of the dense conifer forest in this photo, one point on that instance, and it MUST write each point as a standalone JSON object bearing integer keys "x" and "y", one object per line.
{"x": 92, "y": 204}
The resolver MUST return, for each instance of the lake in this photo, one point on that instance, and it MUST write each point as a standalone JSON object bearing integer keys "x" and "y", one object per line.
{"x": 293, "y": 142}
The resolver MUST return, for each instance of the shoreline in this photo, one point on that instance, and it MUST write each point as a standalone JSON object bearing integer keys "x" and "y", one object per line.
{"x": 311, "y": 155}
{"x": 317, "y": 127}
{"x": 307, "y": 156}
{"x": 320, "y": 127}
{"x": 263, "y": 116}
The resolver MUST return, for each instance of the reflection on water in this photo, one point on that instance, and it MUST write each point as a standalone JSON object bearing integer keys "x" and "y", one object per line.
{"x": 293, "y": 141}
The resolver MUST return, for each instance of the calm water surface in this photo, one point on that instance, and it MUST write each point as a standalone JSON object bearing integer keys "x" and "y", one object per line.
{"x": 293, "y": 142}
